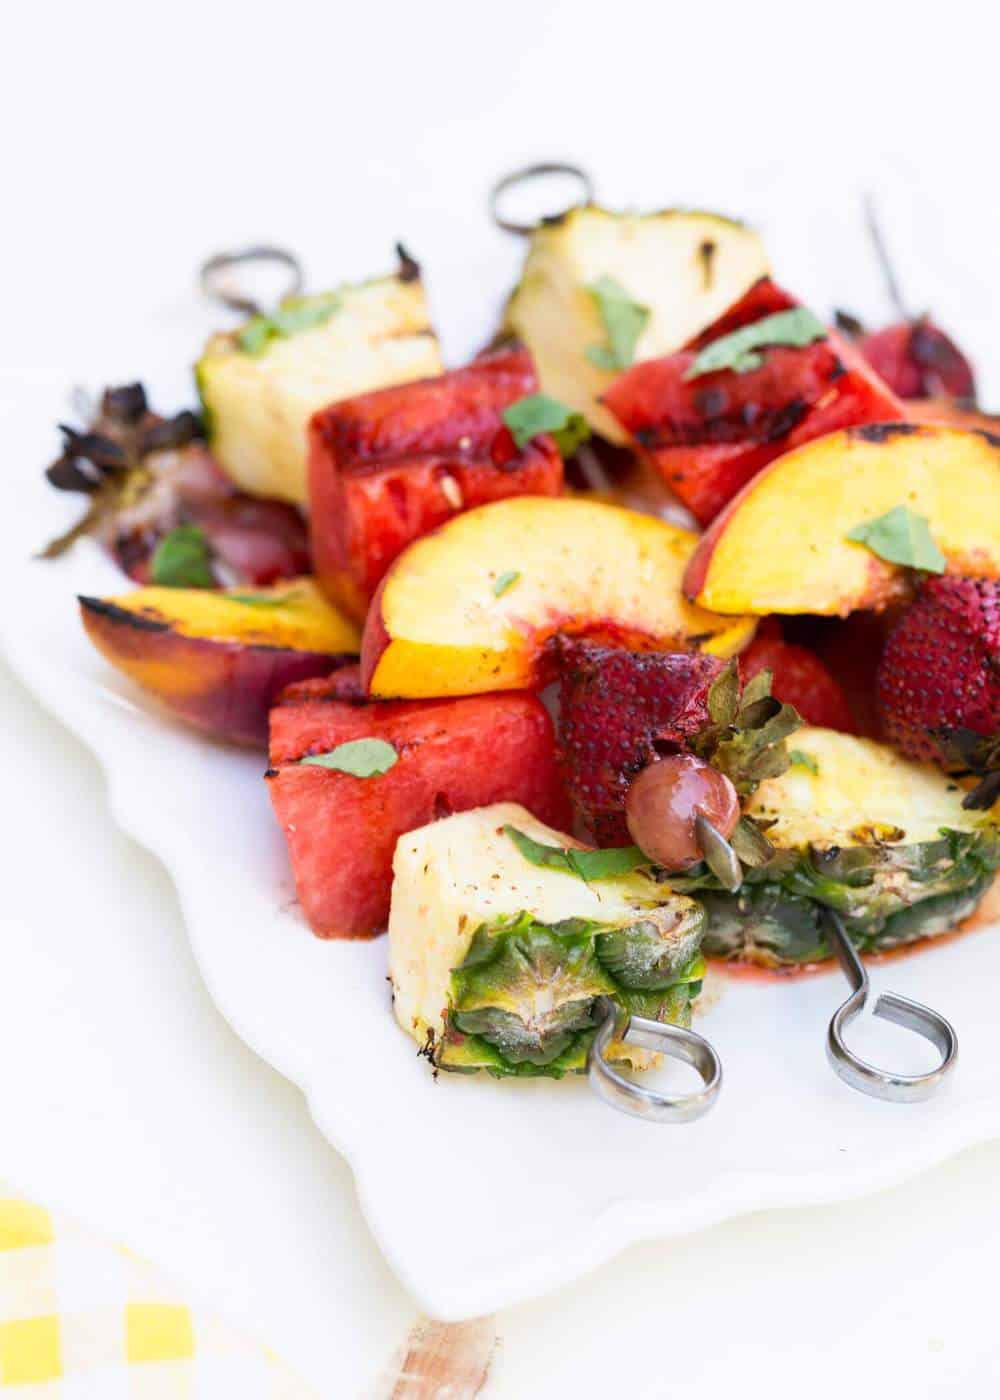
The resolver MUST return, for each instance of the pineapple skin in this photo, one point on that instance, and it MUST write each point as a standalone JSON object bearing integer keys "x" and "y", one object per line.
{"x": 883, "y": 841}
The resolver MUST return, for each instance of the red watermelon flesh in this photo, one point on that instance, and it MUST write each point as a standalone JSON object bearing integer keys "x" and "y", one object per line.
{"x": 453, "y": 755}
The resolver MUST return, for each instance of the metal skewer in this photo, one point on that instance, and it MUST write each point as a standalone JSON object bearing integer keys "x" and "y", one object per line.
{"x": 635, "y": 1099}
{"x": 219, "y": 284}
{"x": 674, "y": 1041}
{"x": 858, "y": 1073}
{"x": 525, "y": 176}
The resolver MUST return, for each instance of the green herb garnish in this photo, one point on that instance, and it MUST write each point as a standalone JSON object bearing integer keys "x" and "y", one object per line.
{"x": 624, "y": 322}
{"x": 539, "y": 414}
{"x": 182, "y": 559}
{"x": 798, "y": 759}
{"x": 362, "y": 758}
{"x": 901, "y": 537}
{"x": 264, "y": 600}
{"x": 588, "y": 865}
{"x": 506, "y": 581}
{"x": 738, "y": 350}
{"x": 294, "y": 315}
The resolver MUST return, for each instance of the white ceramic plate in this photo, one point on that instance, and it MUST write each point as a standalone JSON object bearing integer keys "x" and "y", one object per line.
{"x": 479, "y": 1193}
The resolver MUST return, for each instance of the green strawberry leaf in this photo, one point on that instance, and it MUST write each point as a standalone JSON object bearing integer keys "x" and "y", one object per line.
{"x": 901, "y": 537}
{"x": 182, "y": 559}
{"x": 362, "y": 758}
{"x": 737, "y": 351}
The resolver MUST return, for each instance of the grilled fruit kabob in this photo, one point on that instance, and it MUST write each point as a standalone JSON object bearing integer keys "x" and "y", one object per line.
{"x": 813, "y": 817}
{"x": 504, "y": 932}
{"x": 160, "y": 505}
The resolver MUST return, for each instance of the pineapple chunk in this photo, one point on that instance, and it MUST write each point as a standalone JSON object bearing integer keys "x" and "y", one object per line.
{"x": 258, "y": 395}
{"x": 495, "y": 962}
{"x": 859, "y": 829}
{"x": 685, "y": 267}
{"x": 856, "y": 792}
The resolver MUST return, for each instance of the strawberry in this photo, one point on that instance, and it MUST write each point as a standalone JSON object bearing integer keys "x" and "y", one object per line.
{"x": 940, "y": 670}
{"x": 619, "y": 711}
{"x": 798, "y": 678}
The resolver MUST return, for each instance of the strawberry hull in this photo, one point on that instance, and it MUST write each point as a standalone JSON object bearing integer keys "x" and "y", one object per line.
{"x": 708, "y": 436}
{"x": 389, "y": 466}
{"x": 453, "y": 755}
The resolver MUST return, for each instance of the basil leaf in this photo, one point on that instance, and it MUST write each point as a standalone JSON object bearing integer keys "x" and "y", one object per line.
{"x": 264, "y": 600}
{"x": 182, "y": 559}
{"x": 294, "y": 315}
{"x": 736, "y": 351}
{"x": 901, "y": 537}
{"x": 362, "y": 758}
{"x": 588, "y": 865}
{"x": 505, "y": 582}
{"x": 798, "y": 759}
{"x": 624, "y": 322}
{"x": 539, "y": 414}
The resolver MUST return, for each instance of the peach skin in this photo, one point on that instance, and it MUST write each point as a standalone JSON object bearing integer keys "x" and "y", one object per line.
{"x": 218, "y": 660}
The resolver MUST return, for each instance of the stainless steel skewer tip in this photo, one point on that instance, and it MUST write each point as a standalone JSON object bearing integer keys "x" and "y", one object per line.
{"x": 219, "y": 282}
{"x": 636, "y": 1099}
{"x": 890, "y": 1006}
{"x": 525, "y": 175}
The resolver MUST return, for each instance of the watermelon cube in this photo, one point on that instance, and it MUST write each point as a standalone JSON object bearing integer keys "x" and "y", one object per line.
{"x": 388, "y": 466}
{"x": 451, "y": 756}
{"x": 708, "y": 435}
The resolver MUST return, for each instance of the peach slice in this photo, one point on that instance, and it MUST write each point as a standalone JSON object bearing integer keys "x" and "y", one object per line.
{"x": 471, "y": 607}
{"x": 781, "y": 545}
{"x": 219, "y": 659}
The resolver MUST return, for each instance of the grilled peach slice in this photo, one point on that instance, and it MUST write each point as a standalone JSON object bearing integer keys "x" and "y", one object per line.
{"x": 219, "y": 659}
{"x": 472, "y": 607}
{"x": 782, "y": 544}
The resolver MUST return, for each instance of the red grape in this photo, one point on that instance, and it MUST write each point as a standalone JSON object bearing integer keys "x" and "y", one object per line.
{"x": 663, "y": 801}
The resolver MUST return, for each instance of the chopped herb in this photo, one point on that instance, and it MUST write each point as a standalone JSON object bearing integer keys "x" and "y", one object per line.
{"x": 264, "y": 600}
{"x": 182, "y": 559}
{"x": 294, "y": 315}
{"x": 737, "y": 351}
{"x": 539, "y": 414}
{"x": 798, "y": 759}
{"x": 624, "y": 322}
{"x": 588, "y": 865}
{"x": 505, "y": 582}
{"x": 362, "y": 758}
{"x": 901, "y": 537}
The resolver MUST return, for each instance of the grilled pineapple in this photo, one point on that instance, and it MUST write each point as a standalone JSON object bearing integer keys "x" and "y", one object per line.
{"x": 855, "y": 827}
{"x": 684, "y": 268}
{"x": 262, "y": 383}
{"x": 495, "y": 962}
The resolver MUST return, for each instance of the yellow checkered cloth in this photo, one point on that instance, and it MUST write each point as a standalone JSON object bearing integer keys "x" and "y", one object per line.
{"x": 84, "y": 1320}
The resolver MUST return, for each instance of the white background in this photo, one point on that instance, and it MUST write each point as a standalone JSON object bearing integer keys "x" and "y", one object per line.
{"x": 135, "y": 141}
